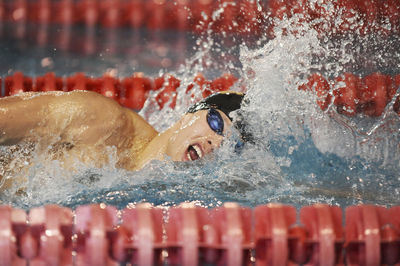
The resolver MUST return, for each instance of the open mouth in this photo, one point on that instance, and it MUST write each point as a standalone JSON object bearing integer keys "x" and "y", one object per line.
{"x": 194, "y": 152}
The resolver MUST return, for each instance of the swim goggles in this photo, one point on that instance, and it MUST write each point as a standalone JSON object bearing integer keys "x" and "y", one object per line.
{"x": 215, "y": 121}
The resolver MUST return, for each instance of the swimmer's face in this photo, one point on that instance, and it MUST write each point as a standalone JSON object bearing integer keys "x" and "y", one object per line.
{"x": 198, "y": 134}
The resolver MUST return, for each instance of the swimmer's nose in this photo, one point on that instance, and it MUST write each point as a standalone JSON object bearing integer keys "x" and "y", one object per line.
{"x": 212, "y": 144}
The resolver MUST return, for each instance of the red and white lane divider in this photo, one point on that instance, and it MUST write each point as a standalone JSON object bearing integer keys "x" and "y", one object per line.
{"x": 272, "y": 234}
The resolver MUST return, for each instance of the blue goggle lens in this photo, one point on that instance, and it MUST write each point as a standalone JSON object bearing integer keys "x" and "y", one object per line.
{"x": 239, "y": 146}
{"x": 215, "y": 121}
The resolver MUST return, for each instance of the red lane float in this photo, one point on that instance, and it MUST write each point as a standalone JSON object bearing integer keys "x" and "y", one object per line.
{"x": 51, "y": 227}
{"x": 168, "y": 86}
{"x": 12, "y": 224}
{"x": 48, "y": 82}
{"x": 17, "y": 83}
{"x": 139, "y": 239}
{"x": 352, "y": 94}
{"x": 233, "y": 227}
{"x": 325, "y": 233}
{"x": 93, "y": 226}
{"x": 187, "y": 233}
{"x": 241, "y": 16}
{"x": 131, "y": 92}
{"x": 349, "y": 93}
{"x": 135, "y": 91}
{"x": 367, "y": 226}
{"x": 272, "y": 234}
{"x": 155, "y": 14}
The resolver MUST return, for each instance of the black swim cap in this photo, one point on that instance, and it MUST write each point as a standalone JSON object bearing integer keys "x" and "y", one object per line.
{"x": 226, "y": 101}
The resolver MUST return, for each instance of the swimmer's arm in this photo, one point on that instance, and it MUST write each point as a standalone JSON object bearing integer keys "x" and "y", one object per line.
{"x": 70, "y": 115}
{"x": 79, "y": 116}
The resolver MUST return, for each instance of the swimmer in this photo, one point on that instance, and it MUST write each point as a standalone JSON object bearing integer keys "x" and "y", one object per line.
{"x": 81, "y": 125}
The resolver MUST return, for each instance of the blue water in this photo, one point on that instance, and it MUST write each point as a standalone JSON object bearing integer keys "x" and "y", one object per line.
{"x": 290, "y": 161}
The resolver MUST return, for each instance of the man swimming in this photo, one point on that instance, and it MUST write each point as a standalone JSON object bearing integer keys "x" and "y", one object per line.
{"x": 81, "y": 125}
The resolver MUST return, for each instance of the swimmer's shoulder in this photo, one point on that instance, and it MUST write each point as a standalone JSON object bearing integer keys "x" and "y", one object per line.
{"x": 79, "y": 104}
{"x": 33, "y": 95}
{"x": 81, "y": 96}
{"x": 104, "y": 114}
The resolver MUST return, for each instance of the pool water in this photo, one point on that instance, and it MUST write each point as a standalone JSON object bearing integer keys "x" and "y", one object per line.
{"x": 300, "y": 155}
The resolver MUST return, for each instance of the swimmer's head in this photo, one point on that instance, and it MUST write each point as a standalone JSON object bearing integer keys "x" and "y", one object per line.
{"x": 227, "y": 102}
{"x": 203, "y": 127}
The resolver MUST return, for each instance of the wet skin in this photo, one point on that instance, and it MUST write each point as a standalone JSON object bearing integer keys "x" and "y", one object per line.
{"x": 83, "y": 124}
